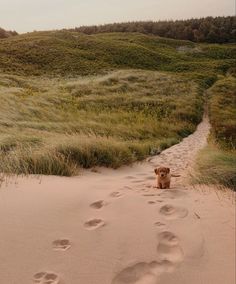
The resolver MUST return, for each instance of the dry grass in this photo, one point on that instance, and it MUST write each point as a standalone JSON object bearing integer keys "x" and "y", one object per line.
{"x": 55, "y": 126}
{"x": 217, "y": 163}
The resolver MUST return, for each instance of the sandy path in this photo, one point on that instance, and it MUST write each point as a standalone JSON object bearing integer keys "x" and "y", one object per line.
{"x": 113, "y": 227}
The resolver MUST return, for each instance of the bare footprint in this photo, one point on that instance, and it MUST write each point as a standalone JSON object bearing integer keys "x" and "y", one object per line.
{"x": 159, "y": 224}
{"x": 116, "y": 194}
{"x": 150, "y": 178}
{"x": 149, "y": 194}
{"x": 130, "y": 177}
{"x": 61, "y": 244}
{"x": 46, "y": 278}
{"x": 168, "y": 248}
{"x": 148, "y": 186}
{"x": 137, "y": 181}
{"x": 94, "y": 224}
{"x": 127, "y": 187}
{"x": 141, "y": 174}
{"x": 142, "y": 273}
{"x": 151, "y": 202}
{"x": 173, "y": 212}
{"x": 98, "y": 204}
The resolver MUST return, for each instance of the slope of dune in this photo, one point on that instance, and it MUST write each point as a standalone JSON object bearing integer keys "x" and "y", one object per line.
{"x": 72, "y": 53}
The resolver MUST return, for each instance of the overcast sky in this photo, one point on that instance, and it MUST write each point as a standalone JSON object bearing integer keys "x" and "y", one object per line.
{"x": 29, "y": 15}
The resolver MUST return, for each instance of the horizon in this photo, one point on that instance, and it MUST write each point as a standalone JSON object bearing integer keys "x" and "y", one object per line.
{"x": 59, "y": 14}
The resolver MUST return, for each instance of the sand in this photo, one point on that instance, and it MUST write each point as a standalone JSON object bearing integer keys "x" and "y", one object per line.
{"x": 113, "y": 227}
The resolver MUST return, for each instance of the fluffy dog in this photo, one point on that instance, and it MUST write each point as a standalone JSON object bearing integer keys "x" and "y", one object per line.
{"x": 163, "y": 177}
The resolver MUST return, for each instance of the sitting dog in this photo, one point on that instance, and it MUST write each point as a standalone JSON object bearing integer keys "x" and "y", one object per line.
{"x": 163, "y": 177}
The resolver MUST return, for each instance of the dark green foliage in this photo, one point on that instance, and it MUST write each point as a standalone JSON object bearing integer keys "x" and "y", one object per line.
{"x": 209, "y": 29}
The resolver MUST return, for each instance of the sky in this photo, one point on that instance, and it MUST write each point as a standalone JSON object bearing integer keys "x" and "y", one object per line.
{"x": 29, "y": 15}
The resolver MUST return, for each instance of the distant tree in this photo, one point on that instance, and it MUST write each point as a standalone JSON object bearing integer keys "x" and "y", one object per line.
{"x": 209, "y": 29}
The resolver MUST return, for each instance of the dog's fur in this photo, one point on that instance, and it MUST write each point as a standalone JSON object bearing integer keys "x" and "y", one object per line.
{"x": 163, "y": 177}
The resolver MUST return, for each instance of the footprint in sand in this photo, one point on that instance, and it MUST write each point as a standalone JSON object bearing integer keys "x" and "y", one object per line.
{"x": 94, "y": 224}
{"x": 168, "y": 248}
{"x": 98, "y": 204}
{"x": 137, "y": 181}
{"x": 149, "y": 194}
{"x": 150, "y": 178}
{"x": 141, "y": 174}
{"x": 151, "y": 202}
{"x": 116, "y": 194}
{"x": 46, "y": 278}
{"x": 143, "y": 273}
{"x": 130, "y": 177}
{"x": 173, "y": 193}
{"x": 127, "y": 187}
{"x": 159, "y": 224}
{"x": 149, "y": 186}
{"x": 61, "y": 244}
{"x": 173, "y": 212}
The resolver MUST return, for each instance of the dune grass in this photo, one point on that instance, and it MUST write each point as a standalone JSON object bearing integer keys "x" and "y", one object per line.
{"x": 66, "y": 103}
{"x": 72, "y": 53}
{"x": 222, "y": 109}
{"x": 217, "y": 163}
{"x": 55, "y": 126}
{"x": 217, "y": 166}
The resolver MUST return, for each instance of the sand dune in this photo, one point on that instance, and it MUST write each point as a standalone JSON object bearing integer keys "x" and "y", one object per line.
{"x": 114, "y": 227}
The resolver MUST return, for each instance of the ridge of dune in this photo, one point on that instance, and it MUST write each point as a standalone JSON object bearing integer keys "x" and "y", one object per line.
{"x": 115, "y": 227}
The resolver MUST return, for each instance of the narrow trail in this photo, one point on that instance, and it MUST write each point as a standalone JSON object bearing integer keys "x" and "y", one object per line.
{"x": 180, "y": 157}
{"x": 115, "y": 227}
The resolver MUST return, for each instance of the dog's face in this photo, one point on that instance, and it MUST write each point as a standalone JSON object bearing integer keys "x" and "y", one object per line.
{"x": 162, "y": 171}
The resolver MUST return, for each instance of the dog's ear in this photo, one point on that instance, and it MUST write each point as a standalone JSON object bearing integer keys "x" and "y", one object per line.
{"x": 168, "y": 170}
{"x": 156, "y": 171}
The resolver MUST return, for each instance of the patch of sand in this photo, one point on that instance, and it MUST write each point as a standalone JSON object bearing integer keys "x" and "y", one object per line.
{"x": 114, "y": 227}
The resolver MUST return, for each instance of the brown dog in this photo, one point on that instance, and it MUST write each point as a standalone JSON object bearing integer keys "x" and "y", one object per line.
{"x": 163, "y": 177}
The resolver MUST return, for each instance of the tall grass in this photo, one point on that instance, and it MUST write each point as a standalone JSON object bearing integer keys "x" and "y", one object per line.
{"x": 217, "y": 162}
{"x": 217, "y": 166}
{"x": 56, "y": 126}
{"x": 73, "y": 53}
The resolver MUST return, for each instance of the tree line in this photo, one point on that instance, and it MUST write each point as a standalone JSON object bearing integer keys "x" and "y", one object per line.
{"x": 209, "y": 29}
{"x": 5, "y": 34}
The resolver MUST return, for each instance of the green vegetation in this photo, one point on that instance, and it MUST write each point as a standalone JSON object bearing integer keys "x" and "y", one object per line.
{"x": 209, "y": 29}
{"x": 55, "y": 126}
{"x": 72, "y": 54}
{"x": 222, "y": 104}
{"x": 71, "y": 100}
{"x": 217, "y": 163}
{"x": 217, "y": 166}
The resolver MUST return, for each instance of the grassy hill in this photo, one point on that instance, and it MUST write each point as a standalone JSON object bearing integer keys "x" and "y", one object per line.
{"x": 55, "y": 126}
{"x": 70, "y": 100}
{"x": 72, "y": 53}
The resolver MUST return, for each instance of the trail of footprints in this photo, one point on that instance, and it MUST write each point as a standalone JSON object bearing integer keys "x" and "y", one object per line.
{"x": 169, "y": 252}
{"x": 47, "y": 277}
